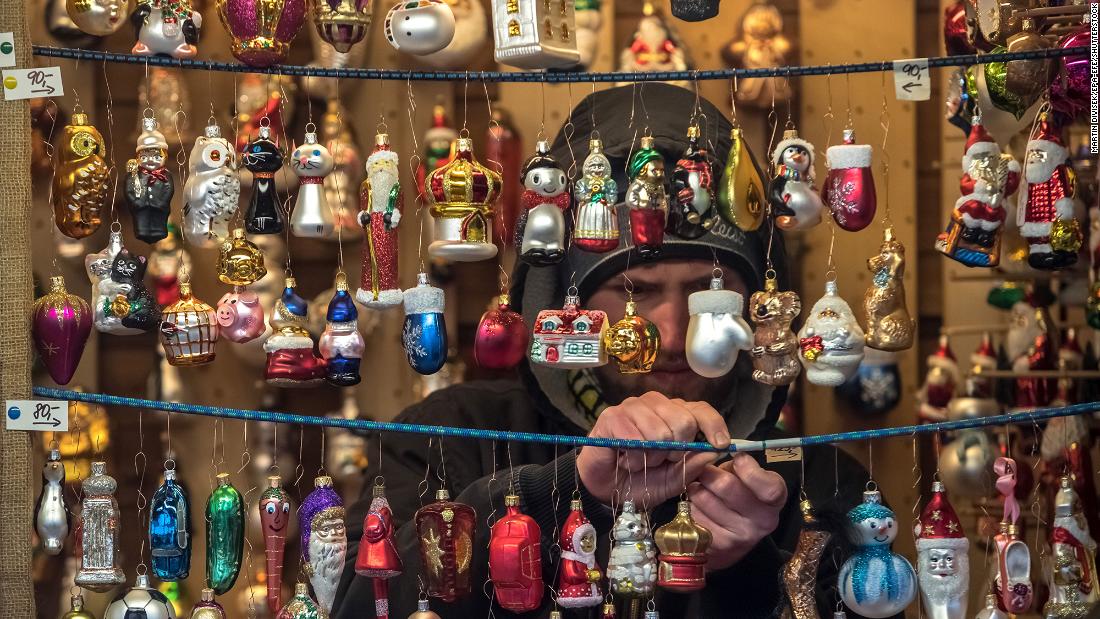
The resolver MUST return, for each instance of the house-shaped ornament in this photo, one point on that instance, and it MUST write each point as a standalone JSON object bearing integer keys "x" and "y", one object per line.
{"x": 535, "y": 34}
{"x": 570, "y": 337}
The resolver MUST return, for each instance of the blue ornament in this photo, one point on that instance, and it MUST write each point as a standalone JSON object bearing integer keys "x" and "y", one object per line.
{"x": 875, "y": 582}
{"x": 341, "y": 343}
{"x": 875, "y": 388}
{"x": 170, "y": 530}
{"x": 424, "y": 335}
{"x": 294, "y": 303}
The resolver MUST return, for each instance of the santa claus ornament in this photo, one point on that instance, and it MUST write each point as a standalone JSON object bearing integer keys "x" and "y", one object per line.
{"x": 795, "y": 203}
{"x": 291, "y": 361}
{"x": 80, "y": 181}
{"x": 569, "y": 338}
{"x": 579, "y": 577}
{"x": 632, "y": 563}
{"x": 654, "y": 47}
{"x": 1012, "y": 572}
{"x": 741, "y": 194}
{"x": 60, "y": 325}
{"x": 943, "y": 562}
{"x": 462, "y": 195}
{"x": 682, "y": 546}
{"x": 647, "y": 198}
{"x": 940, "y": 383}
{"x": 502, "y": 337}
{"x": 311, "y": 162}
{"x": 889, "y": 326}
{"x": 849, "y": 188}
{"x": 775, "y": 350}
{"x": 166, "y": 28}
{"x": 424, "y": 334}
{"x": 693, "y": 208}
{"x": 1045, "y": 217}
{"x": 446, "y": 533}
{"x": 341, "y": 344}
{"x": 831, "y": 341}
{"x": 597, "y": 226}
{"x": 716, "y": 331}
{"x": 541, "y": 230}
{"x": 380, "y": 205}
{"x": 324, "y": 540}
{"x": 378, "y": 558}
{"x": 1073, "y": 581}
{"x": 148, "y": 185}
{"x": 875, "y": 582}
{"x": 515, "y": 559}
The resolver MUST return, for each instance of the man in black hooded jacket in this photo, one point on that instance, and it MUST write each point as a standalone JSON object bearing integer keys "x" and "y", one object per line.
{"x": 750, "y": 507}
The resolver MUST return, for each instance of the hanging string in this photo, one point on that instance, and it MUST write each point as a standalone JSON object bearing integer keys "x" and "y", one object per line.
{"x": 414, "y": 166}
{"x": 884, "y": 122}
{"x": 141, "y": 502}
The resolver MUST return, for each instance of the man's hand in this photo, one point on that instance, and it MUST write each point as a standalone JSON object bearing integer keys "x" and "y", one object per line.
{"x": 739, "y": 503}
{"x": 651, "y": 417}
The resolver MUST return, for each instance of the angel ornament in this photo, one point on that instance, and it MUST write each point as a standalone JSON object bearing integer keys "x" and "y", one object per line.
{"x": 760, "y": 46}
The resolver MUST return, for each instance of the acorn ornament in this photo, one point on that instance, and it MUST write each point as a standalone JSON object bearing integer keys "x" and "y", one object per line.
{"x": 831, "y": 340}
{"x": 849, "y": 187}
{"x": 889, "y": 326}
{"x": 189, "y": 330}
{"x": 741, "y": 195}
{"x": 149, "y": 185}
{"x": 60, "y": 325}
{"x": 794, "y": 200}
{"x": 311, "y": 162}
{"x": 541, "y": 231}
{"x": 342, "y": 23}
{"x": 693, "y": 208}
{"x": 716, "y": 330}
{"x": 633, "y": 341}
{"x": 420, "y": 27}
{"x": 647, "y": 198}
{"x": 462, "y": 195}
{"x": 502, "y": 337}
{"x": 341, "y": 344}
{"x": 80, "y": 181}
{"x": 875, "y": 582}
{"x": 424, "y": 334}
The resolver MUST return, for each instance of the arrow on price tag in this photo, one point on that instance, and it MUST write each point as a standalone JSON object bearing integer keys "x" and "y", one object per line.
{"x": 912, "y": 80}
{"x": 38, "y": 415}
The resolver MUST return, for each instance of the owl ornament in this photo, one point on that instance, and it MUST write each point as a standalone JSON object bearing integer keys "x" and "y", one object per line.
{"x": 80, "y": 183}
{"x": 775, "y": 347}
{"x": 889, "y": 326}
{"x": 830, "y": 342}
{"x": 211, "y": 190}
{"x": 149, "y": 185}
{"x": 875, "y": 582}
{"x": 633, "y": 341}
{"x": 794, "y": 200}
{"x": 312, "y": 162}
{"x": 166, "y": 28}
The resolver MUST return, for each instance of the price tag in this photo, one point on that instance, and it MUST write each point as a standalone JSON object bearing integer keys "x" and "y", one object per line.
{"x": 38, "y": 415}
{"x": 7, "y": 49}
{"x": 912, "y": 82}
{"x": 29, "y": 83}
{"x": 783, "y": 454}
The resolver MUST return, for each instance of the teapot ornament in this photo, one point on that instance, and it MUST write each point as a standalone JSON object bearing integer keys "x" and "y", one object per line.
{"x": 889, "y": 326}
{"x": 311, "y": 162}
{"x": 795, "y": 203}
{"x": 633, "y": 341}
{"x": 831, "y": 341}
{"x": 541, "y": 231}
{"x": 875, "y": 582}
{"x": 597, "y": 227}
{"x": 149, "y": 185}
{"x": 80, "y": 182}
{"x": 211, "y": 190}
{"x": 60, "y": 325}
{"x": 263, "y": 157}
{"x": 166, "y": 28}
{"x": 775, "y": 350}
{"x": 694, "y": 207}
{"x": 647, "y": 198}
{"x": 716, "y": 331}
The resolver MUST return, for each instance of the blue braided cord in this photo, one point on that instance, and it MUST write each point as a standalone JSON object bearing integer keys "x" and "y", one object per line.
{"x": 1032, "y": 416}
{"x": 552, "y": 77}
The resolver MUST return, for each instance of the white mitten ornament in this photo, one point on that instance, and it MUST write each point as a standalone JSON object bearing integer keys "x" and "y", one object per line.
{"x": 716, "y": 330}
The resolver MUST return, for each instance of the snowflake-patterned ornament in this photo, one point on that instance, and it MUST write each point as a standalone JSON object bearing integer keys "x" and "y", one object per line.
{"x": 876, "y": 387}
{"x": 424, "y": 334}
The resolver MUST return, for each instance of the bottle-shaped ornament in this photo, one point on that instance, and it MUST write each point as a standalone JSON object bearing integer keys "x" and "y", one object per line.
{"x": 569, "y": 338}
{"x": 380, "y": 205}
{"x": 291, "y": 361}
{"x": 1012, "y": 571}
{"x": 263, "y": 157}
{"x": 515, "y": 559}
{"x": 324, "y": 540}
{"x": 51, "y": 514}
{"x": 76, "y": 609}
{"x": 694, "y": 208}
{"x": 420, "y": 28}
{"x": 445, "y": 530}
{"x": 166, "y": 28}
{"x": 311, "y": 163}
{"x": 462, "y": 195}
{"x": 378, "y": 558}
{"x": 80, "y": 181}
{"x": 579, "y": 576}
{"x": 597, "y": 228}
{"x": 1073, "y": 581}
{"x": 1045, "y": 216}
{"x": 207, "y": 607}
{"x": 189, "y": 330}
{"x": 301, "y": 606}
{"x": 943, "y": 562}
{"x": 831, "y": 341}
{"x": 274, "y": 520}
{"x": 799, "y": 575}
{"x": 99, "y": 522}
{"x": 170, "y": 530}
{"x": 532, "y": 36}
{"x": 889, "y": 326}
{"x": 849, "y": 187}
{"x": 240, "y": 316}
{"x": 682, "y": 546}
{"x": 99, "y": 18}
{"x": 795, "y": 203}
{"x": 140, "y": 600}
{"x": 633, "y": 341}
{"x": 224, "y": 535}
{"x": 211, "y": 190}
{"x": 647, "y": 199}
{"x": 60, "y": 325}
{"x": 875, "y": 582}
{"x": 342, "y": 23}
{"x": 121, "y": 304}
{"x": 502, "y": 337}
{"x": 741, "y": 193}
{"x": 424, "y": 334}
{"x": 716, "y": 330}
{"x": 775, "y": 346}
{"x": 541, "y": 230}
{"x": 632, "y": 563}
{"x": 149, "y": 185}
{"x": 261, "y": 33}
{"x": 341, "y": 344}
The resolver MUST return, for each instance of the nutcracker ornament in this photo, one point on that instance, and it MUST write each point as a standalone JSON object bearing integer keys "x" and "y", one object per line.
{"x": 693, "y": 211}
{"x": 149, "y": 185}
{"x": 341, "y": 344}
{"x": 211, "y": 190}
{"x": 263, "y": 158}
{"x": 532, "y": 35}
{"x": 99, "y": 523}
{"x": 794, "y": 200}
{"x": 241, "y": 263}
{"x": 515, "y": 559}
{"x": 849, "y": 187}
{"x": 420, "y": 27}
{"x": 261, "y": 32}
{"x": 831, "y": 341}
{"x": 647, "y": 199}
{"x": 683, "y": 545}
{"x": 943, "y": 562}
{"x": 761, "y": 45}
{"x": 775, "y": 346}
{"x": 889, "y": 326}
{"x": 51, "y": 514}
{"x": 716, "y": 331}
{"x": 311, "y": 162}
{"x": 378, "y": 558}
{"x": 166, "y": 28}
{"x": 875, "y": 582}
{"x": 97, "y": 17}
{"x": 170, "y": 530}
{"x": 461, "y": 194}
{"x": 799, "y": 575}
{"x": 240, "y": 316}
{"x": 446, "y": 533}
{"x": 502, "y": 337}
{"x": 541, "y": 230}
{"x": 597, "y": 227}
{"x": 424, "y": 334}
{"x": 381, "y": 202}
{"x": 189, "y": 330}
{"x": 76, "y": 609}
{"x": 207, "y": 607}
{"x": 579, "y": 577}
{"x": 633, "y": 341}
{"x": 741, "y": 194}
{"x": 224, "y": 535}
{"x": 80, "y": 181}
{"x": 301, "y": 606}
{"x": 342, "y": 23}
{"x": 632, "y": 563}
{"x": 1046, "y": 216}
{"x": 1073, "y": 582}
{"x": 291, "y": 361}
{"x": 60, "y": 325}
{"x": 141, "y": 601}
{"x": 571, "y": 337}
{"x": 1012, "y": 575}
{"x": 324, "y": 540}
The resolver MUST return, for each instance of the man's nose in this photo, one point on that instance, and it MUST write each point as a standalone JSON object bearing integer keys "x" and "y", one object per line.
{"x": 670, "y": 315}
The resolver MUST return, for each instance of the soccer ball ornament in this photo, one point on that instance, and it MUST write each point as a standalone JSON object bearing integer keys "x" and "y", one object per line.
{"x": 420, "y": 27}
{"x": 140, "y": 602}
{"x": 875, "y": 582}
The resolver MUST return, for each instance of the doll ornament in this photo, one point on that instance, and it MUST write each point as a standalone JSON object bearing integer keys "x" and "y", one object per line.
{"x": 166, "y": 28}
{"x": 515, "y": 559}
{"x": 889, "y": 326}
{"x": 275, "y": 519}
{"x": 380, "y": 205}
{"x": 943, "y": 563}
{"x": 597, "y": 228}
{"x": 378, "y": 558}
{"x": 794, "y": 201}
{"x": 716, "y": 331}
{"x": 831, "y": 341}
{"x": 579, "y": 577}
{"x": 51, "y": 514}
{"x": 211, "y": 190}
{"x": 1045, "y": 217}
{"x": 541, "y": 231}
{"x": 263, "y": 158}
{"x": 149, "y": 185}
{"x": 762, "y": 45}
{"x": 849, "y": 188}
{"x": 875, "y": 582}
{"x": 647, "y": 199}
{"x": 324, "y": 540}
{"x": 80, "y": 183}
{"x": 775, "y": 346}
{"x": 341, "y": 344}
{"x": 693, "y": 210}
{"x": 311, "y": 162}
{"x": 60, "y": 325}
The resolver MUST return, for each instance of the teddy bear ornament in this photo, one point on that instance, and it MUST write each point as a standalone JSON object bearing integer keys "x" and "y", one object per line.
{"x": 775, "y": 347}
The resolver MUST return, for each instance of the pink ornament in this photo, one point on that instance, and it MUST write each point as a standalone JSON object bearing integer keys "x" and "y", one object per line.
{"x": 849, "y": 188}
{"x": 240, "y": 316}
{"x": 262, "y": 30}
{"x": 60, "y": 325}
{"x": 1069, "y": 93}
{"x": 501, "y": 339}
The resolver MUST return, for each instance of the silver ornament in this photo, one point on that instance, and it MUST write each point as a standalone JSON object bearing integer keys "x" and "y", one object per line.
{"x": 99, "y": 519}
{"x": 420, "y": 28}
{"x": 312, "y": 162}
{"x": 166, "y": 28}
{"x": 98, "y": 17}
{"x": 140, "y": 602}
{"x": 211, "y": 190}
{"x": 991, "y": 611}
{"x": 943, "y": 562}
{"x": 716, "y": 330}
{"x": 831, "y": 341}
{"x": 535, "y": 34}
{"x": 966, "y": 464}
{"x": 632, "y": 563}
{"x": 51, "y": 517}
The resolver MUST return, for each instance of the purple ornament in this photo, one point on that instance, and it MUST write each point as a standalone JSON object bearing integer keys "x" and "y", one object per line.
{"x": 324, "y": 540}
{"x": 1069, "y": 94}
{"x": 60, "y": 325}
{"x": 262, "y": 30}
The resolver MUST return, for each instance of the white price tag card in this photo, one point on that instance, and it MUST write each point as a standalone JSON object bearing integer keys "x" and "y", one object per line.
{"x": 30, "y": 83}
{"x": 783, "y": 454}
{"x": 7, "y": 49}
{"x": 38, "y": 415}
{"x": 912, "y": 82}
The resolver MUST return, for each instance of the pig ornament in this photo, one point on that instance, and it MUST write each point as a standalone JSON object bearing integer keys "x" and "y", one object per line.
{"x": 240, "y": 316}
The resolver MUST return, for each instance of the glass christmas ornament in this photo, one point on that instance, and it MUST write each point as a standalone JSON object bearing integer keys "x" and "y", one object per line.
{"x": 241, "y": 262}
{"x": 274, "y": 519}
{"x": 775, "y": 347}
{"x": 1027, "y": 78}
{"x": 799, "y": 575}
{"x": 889, "y": 326}
{"x": 632, "y": 563}
{"x": 167, "y": 260}
{"x": 965, "y": 462}
{"x": 647, "y": 198}
{"x": 940, "y": 383}
{"x": 51, "y": 514}
{"x": 589, "y": 19}
{"x": 956, "y": 37}
{"x": 943, "y": 562}
{"x": 1046, "y": 217}
{"x": 1073, "y": 581}
{"x": 261, "y": 32}
{"x": 1012, "y": 576}
{"x": 831, "y": 341}
{"x": 420, "y": 27}
{"x": 682, "y": 546}
{"x": 597, "y": 227}
{"x": 224, "y": 535}
{"x": 795, "y": 203}
{"x": 541, "y": 231}
{"x": 381, "y": 203}
{"x": 875, "y": 388}
{"x": 761, "y": 45}
{"x": 378, "y": 558}
{"x": 301, "y": 606}
{"x": 571, "y": 337}
{"x": 207, "y": 607}
{"x": 535, "y": 35}
{"x": 170, "y": 530}
{"x": 470, "y": 38}
{"x": 311, "y": 163}
{"x": 211, "y": 190}
{"x": 1092, "y": 305}
{"x": 76, "y": 609}
{"x": 99, "y": 522}
{"x": 341, "y": 344}
{"x": 240, "y": 316}
{"x": 342, "y": 184}
{"x": 60, "y": 325}
{"x": 80, "y": 181}
{"x": 991, "y": 611}
{"x": 97, "y": 17}
{"x": 445, "y": 530}
{"x": 875, "y": 582}
{"x": 655, "y": 46}
{"x": 324, "y": 540}
{"x": 166, "y": 28}
{"x": 462, "y": 194}
{"x": 741, "y": 189}
{"x": 579, "y": 576}
{"x": 693, "y": 211}
{"x": 1069, "y": 92}
{"x": 291, "y": 361}
{"x": 439, "y": 144}
{"x": 189, "y": 330}
{"x": 502, "y": 337}
{"x": 423, "y": 611}
{"x": 504, "y": 145}
{"x": 849, "y": 187}
{"x": 342, "y": 23}
{"x": 263, "y": 158}
{"x": 633, "y": 341}
{"x": 424, "y": 334}
{"x": 140, "y": 601}
{"x": 515, "y": 559}
{"x": 716, "y": 331}
{"x": 121, "y": 304}
{"x": 148, "y": 185}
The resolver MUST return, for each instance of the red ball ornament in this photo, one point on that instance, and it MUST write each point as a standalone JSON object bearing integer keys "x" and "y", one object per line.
{"x": 501, "y": 338}
{"x": 515, "y": 559}
{"x": 60, "y": 325}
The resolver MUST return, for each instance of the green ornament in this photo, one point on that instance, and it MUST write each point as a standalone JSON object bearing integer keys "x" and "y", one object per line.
{"x": 996, "y": 77}
{"x": 301, "y": 606}
{"x": 224, "y": 535}
{"x": 1005, "y": 295}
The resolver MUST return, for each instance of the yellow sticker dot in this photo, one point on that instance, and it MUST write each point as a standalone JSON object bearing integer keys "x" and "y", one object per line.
{"x": 10, "y": 82}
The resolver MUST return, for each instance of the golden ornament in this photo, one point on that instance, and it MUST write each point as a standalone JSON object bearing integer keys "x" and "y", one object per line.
{"x": 633, "y": 341}
{"x": 188, "y": 330}
{"x": 241, "y": 262}
{"x": 889, "y": 326}
{"x": 80, "y": 184}
{"x": 120, "y": 306}
{"x": 741, "y": 191}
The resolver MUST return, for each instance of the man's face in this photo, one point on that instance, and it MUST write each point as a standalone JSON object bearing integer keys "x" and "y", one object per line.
{"x": 661, "y": 290}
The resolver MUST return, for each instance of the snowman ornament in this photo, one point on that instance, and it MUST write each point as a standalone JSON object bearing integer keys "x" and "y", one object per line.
{"x": 875, "y": 582}
{"x": 541, "y": 231}
{"x": 795, "y": 202}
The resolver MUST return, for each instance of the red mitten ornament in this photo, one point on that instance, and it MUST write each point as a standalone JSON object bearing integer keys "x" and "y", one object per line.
{"x": 515, "y": 560}
{"x": 849, "y": 188}
{"x": 579, "y": 580}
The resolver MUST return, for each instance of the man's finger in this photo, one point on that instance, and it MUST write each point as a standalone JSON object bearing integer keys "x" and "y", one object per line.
{"x": 767, "y": 486}
{"x": 711, "y": 423}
